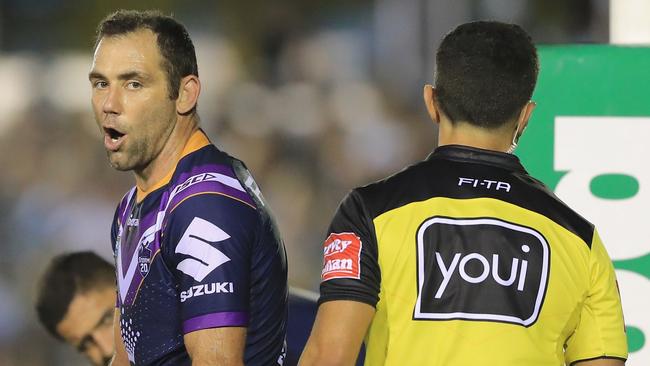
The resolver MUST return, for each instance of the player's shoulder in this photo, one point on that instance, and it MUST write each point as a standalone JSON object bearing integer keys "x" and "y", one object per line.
{"x": 209, "y": 172}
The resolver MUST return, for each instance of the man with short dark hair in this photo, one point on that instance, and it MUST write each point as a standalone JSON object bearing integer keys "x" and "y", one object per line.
{"x": 75, "y": 303}
{"x": 464, "y": 258}
{"x": 201, "y": 268}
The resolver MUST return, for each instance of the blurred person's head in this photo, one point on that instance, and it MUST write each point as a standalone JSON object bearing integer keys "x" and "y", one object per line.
{"x": 76, "y": 302}
{"x": 145, "y": 86}
{"x": 485, "y": 77}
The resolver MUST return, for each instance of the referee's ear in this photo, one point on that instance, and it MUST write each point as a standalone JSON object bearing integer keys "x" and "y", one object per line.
{"x": 524, "y": 117}
{"x": 431, "y": 102}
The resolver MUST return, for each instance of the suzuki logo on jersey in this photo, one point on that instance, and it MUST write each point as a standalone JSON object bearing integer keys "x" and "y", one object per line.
{"x": 207, "y": 289}
{"x": 196, "y": 243}
{"x": 484, "y": 183}
{"x": 341, "y": 256}
{"x": 480, "y": 269}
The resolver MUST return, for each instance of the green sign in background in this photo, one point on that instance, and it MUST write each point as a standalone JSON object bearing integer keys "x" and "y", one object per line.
{"x": 589, "y": 80}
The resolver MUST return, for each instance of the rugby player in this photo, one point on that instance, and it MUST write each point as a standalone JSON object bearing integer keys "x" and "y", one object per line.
{"x": 76, "y": 301}
{"x": 201, "y": 269}
{"x": 464, "y": 258}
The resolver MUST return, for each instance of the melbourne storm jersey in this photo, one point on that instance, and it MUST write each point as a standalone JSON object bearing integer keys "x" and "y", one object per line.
{"x": 199, "y": 251}
{"x": 468, "y": 260}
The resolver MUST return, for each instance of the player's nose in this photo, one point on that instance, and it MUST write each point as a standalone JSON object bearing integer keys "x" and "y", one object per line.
{"x": 112, "y": 103}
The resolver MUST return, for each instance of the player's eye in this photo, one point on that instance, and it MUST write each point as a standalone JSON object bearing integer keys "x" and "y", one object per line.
{"x": 83, "y": 346}
{"x": 107, "y": 318}
{"x": 134, "y": 85}
{"x": 100, "y": 84}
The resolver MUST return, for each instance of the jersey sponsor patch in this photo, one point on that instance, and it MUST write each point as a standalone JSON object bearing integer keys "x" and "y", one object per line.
{"x": 341, "y": 256}
{"x": 480, "y": 269}
{"x": 197, "y": 244}
{"x": 208, "y": 289}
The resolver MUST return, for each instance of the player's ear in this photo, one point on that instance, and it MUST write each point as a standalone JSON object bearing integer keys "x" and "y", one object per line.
{"x": 524, "y": 116}
{"x": 188, "y": 94}
{"x": 430, "y": 102}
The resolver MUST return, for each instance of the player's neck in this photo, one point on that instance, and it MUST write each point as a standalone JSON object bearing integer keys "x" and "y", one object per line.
{"x": 470, "y": 135}
{"x": 164, "y": 163}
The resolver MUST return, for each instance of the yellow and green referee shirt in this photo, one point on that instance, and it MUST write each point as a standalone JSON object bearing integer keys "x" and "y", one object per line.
{"x": 469, "y": 260}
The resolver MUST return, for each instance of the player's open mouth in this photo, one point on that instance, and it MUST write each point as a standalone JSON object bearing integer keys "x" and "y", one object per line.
{"x": 113, "y": 133}
{"x": 112, "y": 138}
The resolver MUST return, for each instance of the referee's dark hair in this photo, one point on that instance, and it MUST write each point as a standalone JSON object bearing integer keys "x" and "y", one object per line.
{"x": 67, "y": 276}
{"x": 174, "y": 43}
{"x": 486, "y": 73}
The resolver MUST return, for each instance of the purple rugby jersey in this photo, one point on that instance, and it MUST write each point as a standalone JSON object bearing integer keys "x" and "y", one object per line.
{"x": 199, "y": 251}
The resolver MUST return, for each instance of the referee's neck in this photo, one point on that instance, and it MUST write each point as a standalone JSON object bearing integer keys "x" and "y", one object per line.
{"x": 463, "y": 133}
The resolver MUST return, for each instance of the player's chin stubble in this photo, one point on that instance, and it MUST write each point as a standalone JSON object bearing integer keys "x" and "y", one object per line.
{"x": 128, "y": 158}
{"x": 115, "y": 162}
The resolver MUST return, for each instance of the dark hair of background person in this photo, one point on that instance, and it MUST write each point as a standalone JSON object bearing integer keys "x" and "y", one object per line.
{"x": 174, "y": 43}
{"x": 486, "y": 72}
{"x": 67, "y": 276}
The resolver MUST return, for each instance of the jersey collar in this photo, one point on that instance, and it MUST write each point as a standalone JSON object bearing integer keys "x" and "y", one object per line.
{"x": 479, "y": 156}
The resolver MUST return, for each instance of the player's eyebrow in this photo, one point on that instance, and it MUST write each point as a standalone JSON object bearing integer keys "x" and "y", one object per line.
{"x": 133, "y": 75}
{"x": 123, "y": 76}
{"x": 95, "y": 75}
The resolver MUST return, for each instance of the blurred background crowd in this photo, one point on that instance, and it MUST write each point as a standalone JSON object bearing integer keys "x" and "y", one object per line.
{"x": 316, "y": 96}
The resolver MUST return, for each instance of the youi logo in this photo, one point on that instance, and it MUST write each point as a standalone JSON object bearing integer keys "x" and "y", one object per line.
{"x": 471, "y": 259}
{"x": 487, "y": 268}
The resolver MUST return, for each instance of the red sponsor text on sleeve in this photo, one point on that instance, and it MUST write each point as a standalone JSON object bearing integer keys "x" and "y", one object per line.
{"x": 341, "y": 256}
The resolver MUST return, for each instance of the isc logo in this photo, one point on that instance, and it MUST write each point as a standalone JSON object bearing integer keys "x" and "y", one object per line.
{"x": 480, "y": 269}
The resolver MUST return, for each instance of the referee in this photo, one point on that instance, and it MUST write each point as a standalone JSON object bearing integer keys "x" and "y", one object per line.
{"x": 464, "y": 258}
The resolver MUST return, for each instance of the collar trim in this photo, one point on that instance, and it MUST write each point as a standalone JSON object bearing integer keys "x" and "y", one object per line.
{"x": 481, "y": 156}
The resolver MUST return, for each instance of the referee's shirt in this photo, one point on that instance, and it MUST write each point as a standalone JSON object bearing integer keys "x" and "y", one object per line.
{"x": 469, "y": 260}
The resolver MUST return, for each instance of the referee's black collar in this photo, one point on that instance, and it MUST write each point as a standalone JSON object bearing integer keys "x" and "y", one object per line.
{"x": 476, "y": 155}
